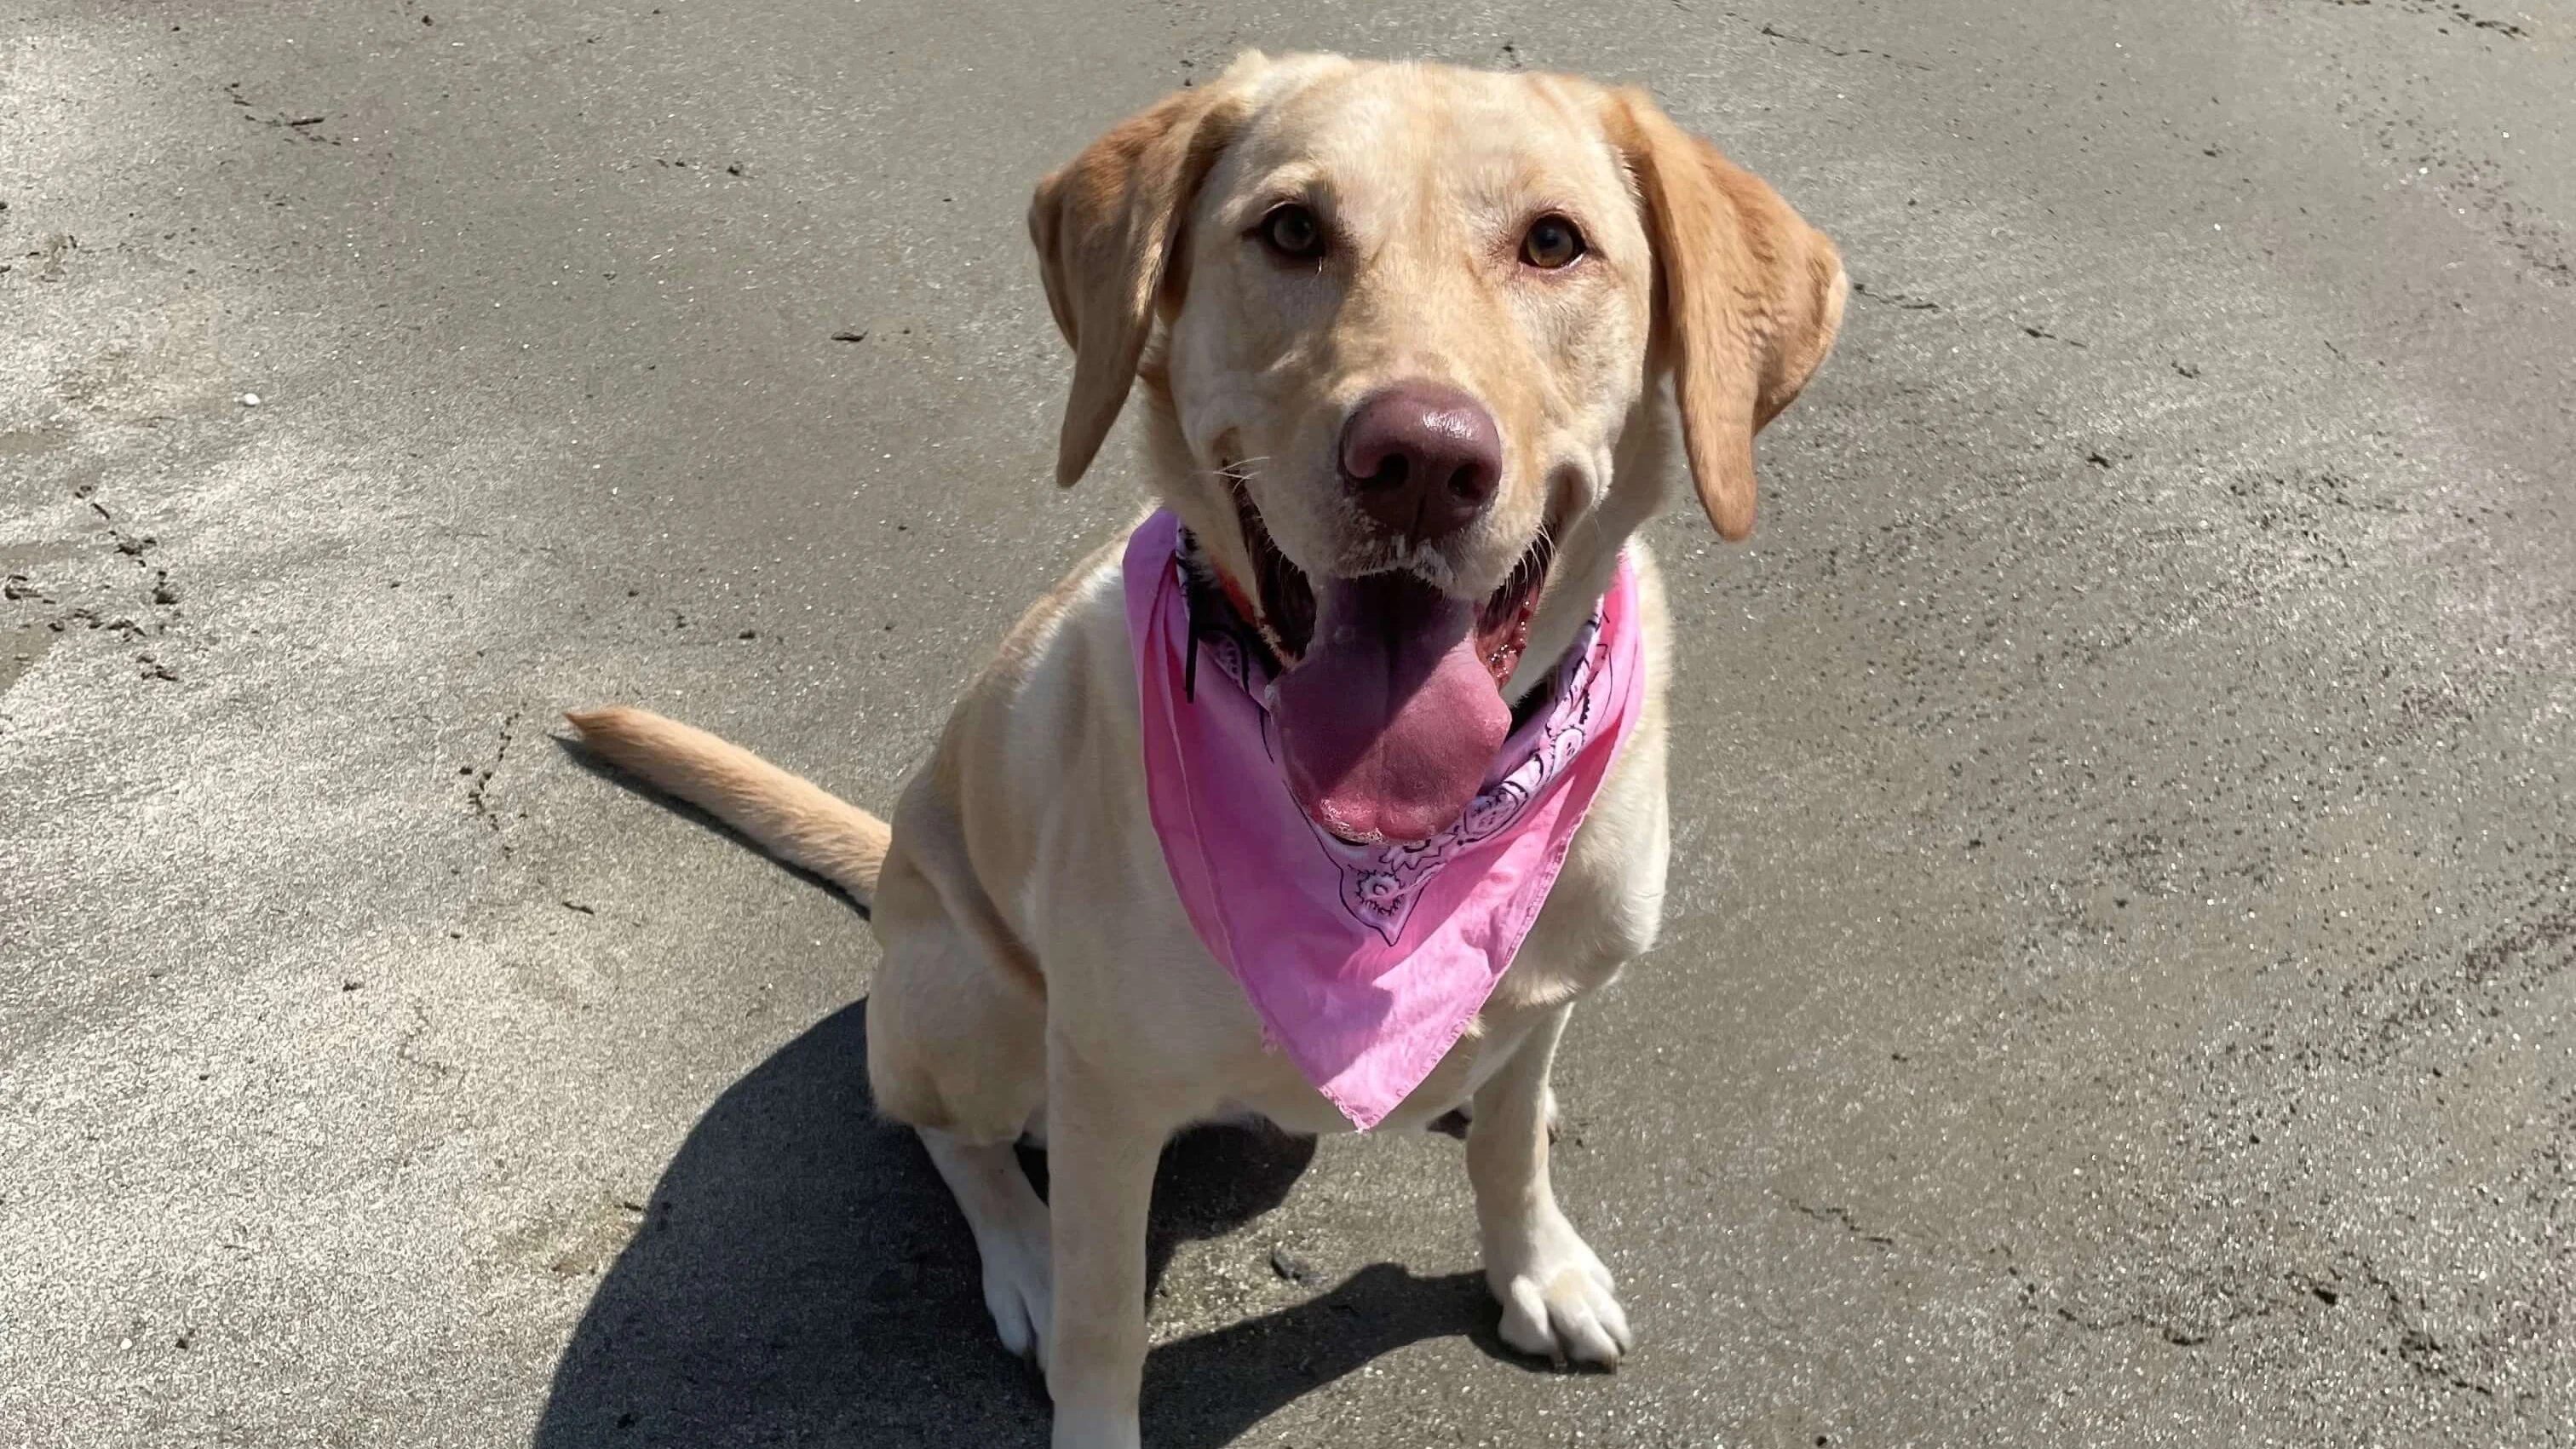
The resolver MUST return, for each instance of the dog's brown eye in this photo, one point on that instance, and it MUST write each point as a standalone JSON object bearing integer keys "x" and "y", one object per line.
{"x": 1552, "y": 243}
{"x": 1293, "y": 232}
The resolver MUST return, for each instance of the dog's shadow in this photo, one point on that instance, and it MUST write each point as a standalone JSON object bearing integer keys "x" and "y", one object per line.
{"x": 801, "y": 1277}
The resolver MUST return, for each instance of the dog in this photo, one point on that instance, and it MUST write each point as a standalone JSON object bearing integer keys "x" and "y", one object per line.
{"x": 1412, "y": 343}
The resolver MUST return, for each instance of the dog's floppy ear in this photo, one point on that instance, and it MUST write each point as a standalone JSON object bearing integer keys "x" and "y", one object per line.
{"x": 1106, "y": 227}
{"x": 1748, "y": 297}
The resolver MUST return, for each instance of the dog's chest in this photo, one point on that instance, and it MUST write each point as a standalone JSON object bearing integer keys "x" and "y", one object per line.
{"x": 1601, "y": 914}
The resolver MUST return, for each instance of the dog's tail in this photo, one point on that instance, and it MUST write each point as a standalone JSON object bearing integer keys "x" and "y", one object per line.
{"x": 793, "y": 819}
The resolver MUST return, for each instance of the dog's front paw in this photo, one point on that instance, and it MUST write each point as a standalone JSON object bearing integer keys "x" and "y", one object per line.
{"x": 1018, "y": 1279}
{"x": 1117, "y": 1431}
{"x": 1558, "y": 1301}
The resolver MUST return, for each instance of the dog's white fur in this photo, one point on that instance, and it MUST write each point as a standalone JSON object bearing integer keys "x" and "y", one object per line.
{"x": 1039, "y": 973}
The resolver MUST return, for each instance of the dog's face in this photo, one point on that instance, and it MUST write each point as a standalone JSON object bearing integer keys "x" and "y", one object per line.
{"x": 1411, "y": 322}
{"x": 1437, "y": 274}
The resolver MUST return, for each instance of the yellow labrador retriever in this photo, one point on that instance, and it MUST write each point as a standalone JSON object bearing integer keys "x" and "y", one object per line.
{"x": 1390, "y": 321}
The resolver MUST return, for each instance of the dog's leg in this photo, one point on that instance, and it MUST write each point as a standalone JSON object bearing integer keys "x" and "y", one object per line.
{"x": 1557, "y": 1298}
{"x": 1103, "y": 1141}
{"x": 1010, "y": 1227}
{"x": 1459, "y": 1118}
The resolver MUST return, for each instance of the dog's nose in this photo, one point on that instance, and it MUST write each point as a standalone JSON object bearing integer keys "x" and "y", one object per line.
{"x": 1421, "y": 459}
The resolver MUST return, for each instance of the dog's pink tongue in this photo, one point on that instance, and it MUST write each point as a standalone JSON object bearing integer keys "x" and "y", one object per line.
{"x": 1391, "y": 719}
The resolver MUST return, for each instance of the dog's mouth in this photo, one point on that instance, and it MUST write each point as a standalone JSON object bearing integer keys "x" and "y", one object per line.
{"x": 1287, "y": 599}
{"x": 1390, "y": 711}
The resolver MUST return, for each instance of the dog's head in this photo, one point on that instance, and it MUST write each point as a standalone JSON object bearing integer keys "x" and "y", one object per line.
{"x": 1401, "y": 330}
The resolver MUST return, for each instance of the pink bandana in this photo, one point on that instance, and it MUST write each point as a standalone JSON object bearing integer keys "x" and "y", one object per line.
{"x": 1365, "y": 962}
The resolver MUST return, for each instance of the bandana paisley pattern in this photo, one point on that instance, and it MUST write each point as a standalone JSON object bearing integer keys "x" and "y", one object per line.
{"x": 1363, "y": 963}
{"x": 1381, "y": 882}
